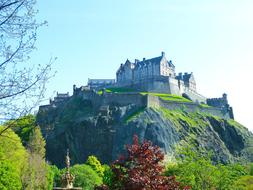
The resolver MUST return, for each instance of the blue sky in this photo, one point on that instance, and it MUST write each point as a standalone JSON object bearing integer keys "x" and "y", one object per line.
{"x": 211, "y": 38}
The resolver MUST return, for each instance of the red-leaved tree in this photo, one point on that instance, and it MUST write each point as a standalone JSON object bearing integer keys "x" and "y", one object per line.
{"x": 141, "y": 169}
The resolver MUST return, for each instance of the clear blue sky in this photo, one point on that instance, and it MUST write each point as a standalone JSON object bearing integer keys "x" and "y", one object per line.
{"x": 211, "y": 38}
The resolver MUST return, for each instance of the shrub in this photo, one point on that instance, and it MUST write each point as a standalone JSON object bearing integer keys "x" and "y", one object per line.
{"x": 95, "y": 165}
{"x": 141, "y": 169}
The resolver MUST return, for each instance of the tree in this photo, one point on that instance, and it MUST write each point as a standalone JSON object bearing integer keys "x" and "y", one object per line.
{"x": 95, "y": 165}
{"x": 13, "y": 160}
{"x": 23, "y": 127}
{"x": 9, "y": 177}
{"x": 141, "y": 169}
{"x": 198, "y": 171}
{"x": 244, "y": 183}
{"x": 85, "y": 176}
{"x": 37, "y": 172}
{"x": 22, "y": 84}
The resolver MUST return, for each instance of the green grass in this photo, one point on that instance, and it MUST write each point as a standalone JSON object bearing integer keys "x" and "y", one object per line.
{"x": 116, "y": 90}
{"x": 134, "y": 115}
{"x": 168, "y": 97}
{"x": 205, "y": 105}
{"x": 177, "y": 117}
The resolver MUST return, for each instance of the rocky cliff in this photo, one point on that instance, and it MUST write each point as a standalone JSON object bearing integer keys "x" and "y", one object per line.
{"x": 77, "y": 125}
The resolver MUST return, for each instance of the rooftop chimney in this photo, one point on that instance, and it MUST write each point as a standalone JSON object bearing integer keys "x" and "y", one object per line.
{"x": 163, "y": 53}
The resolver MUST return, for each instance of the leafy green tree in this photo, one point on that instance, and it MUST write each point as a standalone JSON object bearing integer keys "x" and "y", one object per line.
{"x": 56, "y": 175}
{"x": 108, "y": 176}
{"x": 50, "y": 177}
{"x": 95, "y": 165}
{"x": 23, "y": 127}
{"x": 37, "y": 172}
{"x": 36, "y": 144}
{"x": 9, "y": 177}
{"x": 13, "y": 160}
{"x": 200, "y": 173}
{"x": 244, "y": 183}
{"x": 85, "y": 176}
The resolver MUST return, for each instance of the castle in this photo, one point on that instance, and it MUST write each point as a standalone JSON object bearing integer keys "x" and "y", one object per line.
{"x": 149, "y": 75}
{"x": 152, "y": 75}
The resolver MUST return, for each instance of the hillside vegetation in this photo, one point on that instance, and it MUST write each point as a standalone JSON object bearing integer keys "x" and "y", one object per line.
{"x": 77, "y": 124}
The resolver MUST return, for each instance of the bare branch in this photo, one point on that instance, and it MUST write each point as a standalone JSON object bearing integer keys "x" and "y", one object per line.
{"x": 11, "y": 15}
{"x": 8, "y": 5}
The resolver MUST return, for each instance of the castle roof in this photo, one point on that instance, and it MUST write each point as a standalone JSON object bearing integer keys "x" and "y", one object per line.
{"x": 145, "y": 62}
{"x": 155, "y": 60}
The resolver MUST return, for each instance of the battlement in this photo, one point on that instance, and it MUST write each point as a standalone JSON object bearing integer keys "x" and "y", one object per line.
{"x": 221, "y": 103}
{"x": 149, "y": 75}
{"x": 59, "y": 98}
{"x": 102, "y": 101}
{"x": 100, "y": 83}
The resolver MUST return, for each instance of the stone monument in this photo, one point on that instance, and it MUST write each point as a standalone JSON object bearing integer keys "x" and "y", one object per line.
{"x": 67, "y": 179}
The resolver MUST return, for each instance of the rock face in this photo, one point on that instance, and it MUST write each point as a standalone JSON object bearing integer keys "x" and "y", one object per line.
{"x": 103, "y": 132}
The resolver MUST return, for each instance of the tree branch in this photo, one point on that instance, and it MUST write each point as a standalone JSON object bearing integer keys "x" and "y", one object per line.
{"x": 28, "y": 87}
{"x": 12, "y": 55}
{"x": 7, "y": 5}
{"x": 13, "y": 12}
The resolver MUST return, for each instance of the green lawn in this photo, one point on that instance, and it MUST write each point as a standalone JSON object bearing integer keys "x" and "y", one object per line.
{"x": 117, "y": 90}
{"x": 168, "y": 97}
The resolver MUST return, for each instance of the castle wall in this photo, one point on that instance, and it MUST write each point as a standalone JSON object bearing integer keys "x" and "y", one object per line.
{"x": 195, "y": 97}
{"x": 153, "y": 101}
{"x": 123, "y": 99}
{"x": 173, "y": 85}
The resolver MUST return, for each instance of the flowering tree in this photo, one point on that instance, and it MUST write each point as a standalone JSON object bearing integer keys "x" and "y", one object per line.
{"x": 141, "y": 169}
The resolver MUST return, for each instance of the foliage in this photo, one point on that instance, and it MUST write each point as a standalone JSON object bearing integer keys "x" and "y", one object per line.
{"x": 95, "y": 165}
{"x": 251, "y": 169}
{"x": 38, "y": 173}
{"x": 9, "y": 177}
{"x": 36, "y": 143}
{"x": 85, "y": 176}
{"x": 22, "y": 83}
{"x": 50, "y": 176}
{"x": 108, "y": 176}
{"x": 141, "y": 169}
{"x": 23, "y": 127}
{"x": 56, "y": 174}
{"x": 11, "y": 150}
{"x": 244, "y": 183}
{"x": 135, "y": 114}
{"x": 198, "y": 171}
{"x": 180, "y": 118}
{"x": 13, "y": 159}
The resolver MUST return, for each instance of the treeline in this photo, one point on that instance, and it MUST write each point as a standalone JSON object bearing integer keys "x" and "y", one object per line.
{"x": 23, "y": 166}
{"x": 22, "y": 157}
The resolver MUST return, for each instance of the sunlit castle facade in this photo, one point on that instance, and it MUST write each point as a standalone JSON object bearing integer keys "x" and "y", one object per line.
{"x": 157, "y": 75}
{"x": 152, "y": 75}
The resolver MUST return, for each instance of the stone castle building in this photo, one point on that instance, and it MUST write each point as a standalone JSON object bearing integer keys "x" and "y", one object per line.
{"x": 153, "y": 75}
{"x": 149, "y": 75}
